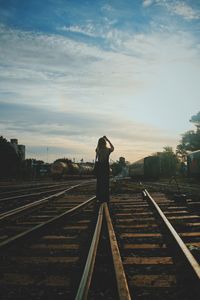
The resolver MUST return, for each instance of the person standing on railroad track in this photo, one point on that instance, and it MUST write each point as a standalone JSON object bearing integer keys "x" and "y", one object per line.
{"x": 103, "y": 168}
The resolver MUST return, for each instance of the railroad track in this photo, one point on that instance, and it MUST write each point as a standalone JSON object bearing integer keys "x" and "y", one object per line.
{"x": 16, "y": 192}
{"x": 184, "y": 215}
{"x": 157, "y": 261}
{"x": 188, "y": 195}
{"x": 51, "y": 261}
{"x": 23, "y": 197}
{"x": 46, "y": 262}
{"x": 23, "y": 187}
{"x": 20, "y": 221}
{"x": 174, "y": 187}
{"x": 137, "y": 255}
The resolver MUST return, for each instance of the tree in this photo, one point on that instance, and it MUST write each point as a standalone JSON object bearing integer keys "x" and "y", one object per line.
{"x": 3, "y": 140}
{"x": 169, "y": 162}
{"x": 196, "y": 120}
{"x": 65, "y": 160}
{"x": 190, "y": 140}
{"x": 181, "y": 153}
{"x": 9, "y": 160}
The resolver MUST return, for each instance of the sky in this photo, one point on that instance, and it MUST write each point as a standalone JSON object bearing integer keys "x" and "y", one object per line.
{"x": 72, "y": 71}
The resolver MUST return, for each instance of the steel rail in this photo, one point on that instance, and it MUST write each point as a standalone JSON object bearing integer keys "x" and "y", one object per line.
{"x": 5, "y": 215}
{"x": 29, "y": 195}
{"x": 29, "y": 188}
{"x": 193, "y": 264}
{"x": 4, "y": 189}
{"x": 20, "y": 209}
{"x": 173, "y": 187}
{"x": 35, "y": 194}
{"x": 85, "y": 282}
{"x": 43, "y": 226}
{"x": 122, "y": 285}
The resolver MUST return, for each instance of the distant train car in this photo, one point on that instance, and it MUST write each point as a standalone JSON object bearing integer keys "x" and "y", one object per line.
{"x": 193, "y": 164}
{"x": 85, "y": 169}
{"x": 137, "y": 169}
{"x": 66, "y": 169}
{"x": 152, "y": 167}
{"x": 147, "y": 167}
{"x": 73, "y": 169}
{"x": 58, "y": 168}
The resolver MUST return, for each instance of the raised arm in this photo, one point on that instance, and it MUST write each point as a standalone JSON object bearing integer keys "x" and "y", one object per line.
{"x": 96, "y": 155}
{"x": 111, "y": 145}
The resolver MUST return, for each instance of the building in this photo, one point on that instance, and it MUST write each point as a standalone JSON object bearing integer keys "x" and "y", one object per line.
{"x": 20, "y": 149}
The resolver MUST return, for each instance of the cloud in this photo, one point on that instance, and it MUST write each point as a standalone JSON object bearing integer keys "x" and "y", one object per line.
{"x": 108, "y": 8}
{"x": 49, "y": 68}
{"x": 45, "y": 121}
{"x": 38, "y": 66}
{"x": 147, "y": 3}
{"x": 88, "y": 29}
{"x": 56, "y": 88}
{"x": 184, "y": 10}
{"x": 77, "y": 133}
{"x": 99, "y": 29}
{"x": 179, "y": 8}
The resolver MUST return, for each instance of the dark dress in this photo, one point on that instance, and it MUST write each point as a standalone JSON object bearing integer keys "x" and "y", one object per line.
{"x": 102, "y": 186}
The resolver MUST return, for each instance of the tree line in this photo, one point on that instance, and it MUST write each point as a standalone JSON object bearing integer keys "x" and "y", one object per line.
{"x": 190, "y": 140}
{"x": 173, "y": 162}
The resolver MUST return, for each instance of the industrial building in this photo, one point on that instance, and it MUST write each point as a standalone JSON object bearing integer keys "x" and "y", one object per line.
{"x": 20, "y": 149}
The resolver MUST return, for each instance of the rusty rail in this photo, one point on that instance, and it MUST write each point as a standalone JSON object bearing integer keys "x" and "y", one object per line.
{"x": 84, "y": 285}
{"x": 189, "y": 258}
{"x": 43, "y": 226}
{"x": 34, "y": 204}
{"x": 122, "y": 285}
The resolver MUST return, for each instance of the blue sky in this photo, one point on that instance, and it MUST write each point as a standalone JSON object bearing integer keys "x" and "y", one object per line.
{"x": 72, "y": 71}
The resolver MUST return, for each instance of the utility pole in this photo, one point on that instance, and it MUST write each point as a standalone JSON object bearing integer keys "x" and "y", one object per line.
{"x": 47, "y": 155}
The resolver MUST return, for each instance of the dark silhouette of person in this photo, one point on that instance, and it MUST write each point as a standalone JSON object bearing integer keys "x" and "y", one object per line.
{"x": 103, "y": 169}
